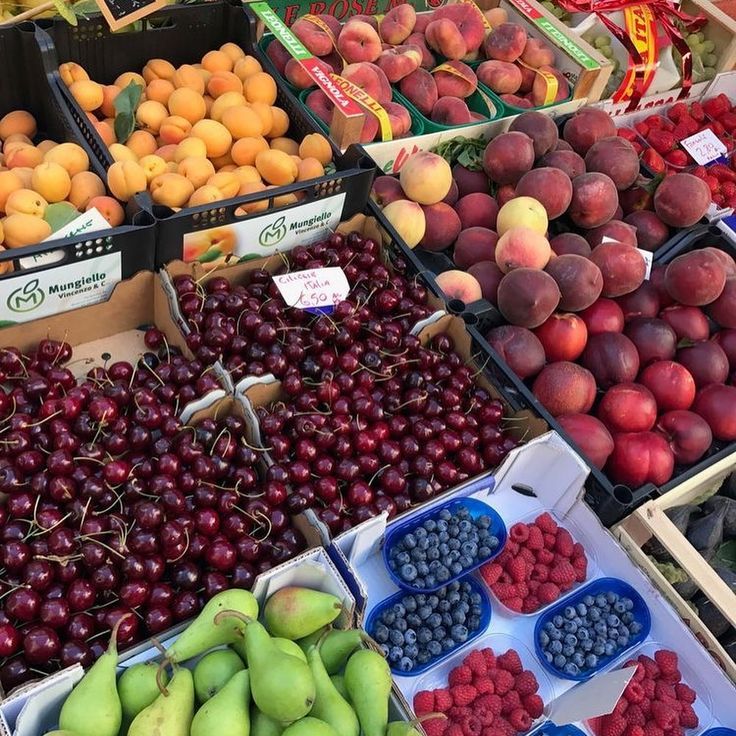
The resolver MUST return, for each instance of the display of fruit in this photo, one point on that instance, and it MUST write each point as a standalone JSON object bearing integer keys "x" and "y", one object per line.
{"x": 197, "y": 134}
{"x": 540, "y": 562}
{"x": 489, "y": 692}
{"x": 113, "y": 504}
{"x": 721, "y": 181}
{"x": 656, "y": 699}
{"x": 44, "y": 185}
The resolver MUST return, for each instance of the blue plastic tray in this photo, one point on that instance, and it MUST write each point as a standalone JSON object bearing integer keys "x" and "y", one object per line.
{"x": 601, "y": 585}
{"x": 720, "y": 731}
{"x": 485, "y": 621}
{"x": 477, "y": 508}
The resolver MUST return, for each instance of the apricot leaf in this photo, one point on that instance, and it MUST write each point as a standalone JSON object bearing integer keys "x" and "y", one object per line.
{"x": 125, "y": 105}
{"x": 63, "y": 9}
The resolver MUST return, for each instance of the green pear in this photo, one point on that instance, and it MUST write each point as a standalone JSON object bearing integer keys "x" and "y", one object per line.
{"x": 137, "y": 689}
{"x": 262, "y": 725}
{"x": 329, "y": 706}
{"x": 368, "y": 682}
{"x": 205, "y": 633}
{"x": 93, "y": 707}
{"x": 226, "y": 713}
{"x": 285, "y": 645}
{"x": 171, "y": 713}
{"x": 294, "y": 612}
{"x": 337, "y": 646}
{"x": 339, "y": 682}
{"x": 314, "y": 638}
{"x": 213, "y": 671}
{"x": 60, "y": 733}
{"x": 310, "y": 727}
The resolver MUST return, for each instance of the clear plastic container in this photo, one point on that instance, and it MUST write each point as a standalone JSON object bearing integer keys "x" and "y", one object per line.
{"x": 476, "y": 508}
{"x": 601, "y": 585}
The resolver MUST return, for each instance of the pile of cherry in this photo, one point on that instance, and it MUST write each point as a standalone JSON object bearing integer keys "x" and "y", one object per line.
{"x": 370, "y": 420}
{"x": 112, "y": 505}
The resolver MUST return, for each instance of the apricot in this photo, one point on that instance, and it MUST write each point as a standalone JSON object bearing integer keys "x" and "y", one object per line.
{"x": 25, "y": 202}
{"x": 245, "y": 150}
{"x": 217, "y": 61}
{"x": 153, "y": 166}
{"x": 315, "y": 145}
{"x": 241, "y": 121}
{"x": 106, "y": 132}
{"x": 171, "y": 190}
{"x": 258, "y": 206}
{"x": 280, "y": 123}
{"x": 119, "y": 152}
{"x": 216, "y": 137}
{"x": 142, "y": 143}
{"x": 51, "y": 181}
{"x": 205, "y": 195}
{"x": 71, "y": 72}
{"x": 125, "y": 179}
{"x": 221, "y": 83}
{"x": 188, "y": 104}
{"x": 159, "y": 90}
{"x": 190, "y": 147}
{"x": 260, "y": 87}
{"x": 23, "y": 229}
{"x": 174, "y": 129}
{"x": 85, "y": 186}
{"x": 25, "y": 174}
{"x": 9, "y": 182}
{"x": 17, "y": 121}
{"x": 247, "y": 174}
{"x": 46, "y": 145}
{"x": 309, "y": 168}
{"x": 232, "y": 50}
{"x": 197, "y": 169}
{"x": 24, "y": 155}
{"x": 128, "y": 78}
{"x": 69, "y": 155}
{"x": 150, "y": 114}
{"x": 287, "y": 145}
{"x": 109, "y": 208}
{"x": 276, "y": 167}
{"x": 88, "y": 94}
{"x": 158, "y": 69}
{"x": 247, "y": 67}
{"x": 187, "y": 76}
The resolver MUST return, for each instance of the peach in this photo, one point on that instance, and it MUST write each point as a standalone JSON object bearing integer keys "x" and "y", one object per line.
{"x": 568, "y": 161}
{"x": 520, "y": 247}
{"x": 125, "y": 179}
{"x": 717, "y": 405}
{"x": 580, "y": 281}
{"x": 654, "y": 339}
{"x": 622, "y": 266}
{"x": 522, "y": 212}
{"x": 501, "y": 76}
{"x": 20, "y": 230}
{"x": 451, "y": 111}
{"x": 444, "y": 37}
{"x": 469, "y": 181}
{"x": 640, "y": 457}
{"x": 88, "y": 94}
{"x": 386, "y": 189}
{"x": 320, "y": 105}
{"x": 590, "y": 436}
{"x": 527, "y": 297}
{"x": 442, "y": 226}
{"x": 459, "y": 285}
{"x": 722, "y": 309}
{"x": 594, "y": 200}
{"x": 477, "y": 209}
{"x": 174, "y": 129}
{"x": 604, "y": 315}
{"x": 689, "y": 323}
{"x": 688, "y": 434}
{"x": 615, "y": 157}
{"x": 460, "y": 83}
{"x": 496, "y": 16}
{"x": 315, "y": 145}
{"x": 418, "y": 40}
{"x": 171, "y": 190}
{"x": 276, "y": 167}
{"x": 489, "y": 276}
{"x": 407, "y": 218}
{"x": 399, "y": 118}
{"x": 224, "y": 102}
{"x": 358, "y": 41}
{"x": 540, "y": 87}
{"x": 696, "y": 278}
{"x": 628, "y": 407}
{"x": 517, "y": 102}
{"x": 537, "y": 53}
{"x": 615, "y": 230}
{"x": 670, "y": 383}
{"x": 109, "y": 208}
{"x": 51, "y": 181}
{"x": 519, "y": 347}
{"x": 85, "y": 186}
{"x": 651, "y": 232}
{"x": 587, "y": 126}
{"x": 399, "y": 62}
{"x": 474, "y": 245}
{"x": 260, "y": 87}
{"x": 541, "y": 129}
{"x": 71, "y": 72}
{"x": 565, "y": 388}
{"x": 297, "y": 75}
{"x": 426, "y": 177}
{"x": 142, "y": 143}
{"x": 467, "y": 20}
{"x": 25, "y": 202}
{"x": 371, "y": 78}
{"x": 188, "y": 104}
{"x": 506, "y": 42}
{"x": 215, "y": 135}
{"x": 563, "y": 337}
{"x": 552, "y": 188}
{"x": 570, "y": 243}
{"x": 318, "y": 41}
{"x": 611, "y": 357}
{"x": 9, "y": 183}
{"x": 397, "y": 25}
{"x": 277, "y": 53}
{"x": 681, "y": 200}
{"x": 508, "y": 157}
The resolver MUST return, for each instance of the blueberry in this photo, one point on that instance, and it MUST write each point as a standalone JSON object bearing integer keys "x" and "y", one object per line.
{"x": 380, "y": 634}
{"x": 466, "y": 561}
{"x": 423, "y": 544}
{"x": 410, "y": 636}
{"x": 469, "y": 549}
{"x": 400, "y": 625}
{"x": 558, "y": 621}
{"x": 588, "y": 600}
{"x": 612, "y": 620}
{"x": 443, "y": 574}
{"x": 443, "y": 538}
{"x": 406, "y": 664}
{"x": 413, "y": 620}
{"x": 591, "y": 661}
{"x": 434, "y": 620}
{"x": 570, "y": 627}
{"x": 422, "y": 568}
{"x": 483, "y": 521}
{"x": 409, "y": 541}
{"x": 549, "y": 626}
{"x": 447, "y": 621}
{"x": 430, "y": 581}
{"x": 581, "y": 608}
{"x": 601, "y": 628}
{"x": 453, "y": 544}
{"x": 594, "y": 614}
{"x": 458, "y": 616}
{"x": 549, "y": 657}
{"x": 570, "y": 640}
{"x": 433, "y": 600}
{"x": 623, "y": 642}
{"x": 568, "y": 650}
{"x": 473, "y": 623}
{"x": 424, "y": 612}
{"x": 396, "y": 637}
{"x": 610, "y": 649}
{"x": 586, "y": 645}
{"x": 578, "y": 659}
{"x": 442, "y": 529}
{"x": 555, "y": 635}
{"x": 599, "y": 650}
{"x": 384, "y": 649}
{"x": 388, "y": 617}
{"x": 439, "y": 633}
{"x": 600, "y": 600}
{"x": 484, "y": 552}
{"x": 569, "y": 612}
{"x": 555, "y": 646}
{"x": 613, "y": 634}
{"x": 560, "y": 661}
{"x": 456, "y": 568}
{"x": 635, "y": 627}
{"x": 448, "y": 644}
{"x": 423, "y": 657}
{"x": 571, "y": 669}
{"x": 465, "y": 526}
{"x": 424, "y": 635}
{"x": 403, "y": 558}
{"x": 430, "y": 525}
{"x": 395, "y": 654}
{"x": 619, "y": 607}
{"x": 445, "y": 515}
{"x": 627, "y": 617}
{"x": 544, "y": 638}
{"x": 410, "y": 603}
{"x": 582, "y": 633}
{"x": 459, "y": 633}
{"x": 577, "y": 621}
{"x": 434, "y": 648}
{"x": 408, "y": 572}
{"x": 629, "y": 604}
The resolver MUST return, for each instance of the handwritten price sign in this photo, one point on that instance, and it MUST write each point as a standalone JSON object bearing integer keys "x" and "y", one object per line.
{"x": 316, "y": 289}
{"x": 704, "y": 146}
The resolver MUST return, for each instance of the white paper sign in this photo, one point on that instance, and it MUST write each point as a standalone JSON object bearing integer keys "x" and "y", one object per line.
{"x": 648, "y": 257}
{"x": 317, "y": 288}
{"x": 704, "y": 146}
{"x": 57, "y": 290}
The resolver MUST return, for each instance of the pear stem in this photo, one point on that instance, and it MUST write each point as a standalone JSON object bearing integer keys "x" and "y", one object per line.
{"x": 112, "y": 647}
{"x": 222, "y": 615}
{"x": 159, "y": 676}
{"x": 319, "y": 641}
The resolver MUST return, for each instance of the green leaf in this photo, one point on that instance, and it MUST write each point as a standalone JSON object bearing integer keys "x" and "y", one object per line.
{"x": 65, "y": 12}
{"x": 250, "y": 257}
{"x": 84, "y": 8}
{"x": 125, "y": 104}
{"x": 726, "y": 554}
{"x": 211, "y": 255}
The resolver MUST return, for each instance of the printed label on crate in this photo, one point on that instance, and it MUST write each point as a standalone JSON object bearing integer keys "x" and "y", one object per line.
{"x": 261, "y": 236}
{"x": 704, "y": 146}
{"x": 318, "y": 289}
{"x": 57, "y": 290}
{"x": 290, "y": 10}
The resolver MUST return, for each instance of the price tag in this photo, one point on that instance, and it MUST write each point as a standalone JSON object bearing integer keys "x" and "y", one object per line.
{"x": 318, "y": 289}
{"x": 648, "y": 257}
{"x": 704, "y": 147}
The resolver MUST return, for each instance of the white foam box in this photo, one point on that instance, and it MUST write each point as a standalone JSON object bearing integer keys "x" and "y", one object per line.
{"x": 544, "y": 475}
{"x": 34, "y": 709}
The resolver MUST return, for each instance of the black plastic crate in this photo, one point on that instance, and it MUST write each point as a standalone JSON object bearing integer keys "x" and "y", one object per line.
{"x": 28, "y": 88}
{"x": 183, "y": 34}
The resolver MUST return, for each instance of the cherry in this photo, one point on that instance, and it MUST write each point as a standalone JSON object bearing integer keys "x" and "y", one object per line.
{"x": 158, "y": 618}
{"x": 10, "y": 640}
{"x": 55, "y": 613}
{"x": 80, "y": 595}
{"x": 40, "y": 645}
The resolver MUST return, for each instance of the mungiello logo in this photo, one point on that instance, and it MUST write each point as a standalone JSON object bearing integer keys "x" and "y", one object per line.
{"x": 274, "y": 233}
{"x": 26, "y": 298}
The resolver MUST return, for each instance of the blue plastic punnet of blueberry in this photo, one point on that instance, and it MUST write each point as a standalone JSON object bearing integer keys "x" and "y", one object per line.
{"x": 444, "y": 544}
{"x": 590, "y": 629}
{"x": 417, "y": 630}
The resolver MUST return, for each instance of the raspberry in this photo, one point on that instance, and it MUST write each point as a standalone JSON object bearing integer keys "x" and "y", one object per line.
{"x": 580, "y": 565}
{"x": 511, "y": 662}
{"x": 520, "y": 719}
{"x": 664, "y": 691}
{"x": 528, "y": 556}
{"x": 564, "y": 544}
{"x": 424, "y": 702}
{"x": 536, "y": 538}
{"x": 634, "y": 692}
{"x": 476, "y": 662}
{"x": 502, "y": 591}
{"x": 455, "y": 729}
{"x": 517, "y": 569}
{"x": 442, "y": 700}
{"x": 652, "y": 729}
{"x": 526, "y": 683}
{"x": 491, "y": 572}
{"x": 635, "y": 716}
{"x": 545, "y": 557}
{"x": 485, "y": 716}
{"x": 463, "y": 695}
{"x": 503, "y": 681}
{"x": 548, "y": 592}
{"x": 650, "y": 666}
{"x": 684, "y": 693}
{"x": 484, "y": 686}
{"x": 491, "y": 703}
{"x": 458, "y": 713}
{"x": 648, "y": 686}
{"x": 461, "y": 675}
{"x": 471, "y": 726}
{"x": 519, "y": 533}
{"x": 563, "y": 574}
{"x": 438, "y": 727}
{"x": 612, "y": 725}
{"x": 540, "y": 573}
{"x": 676, "y": 731}
{"x": 546, "y": 523}
{"x": 688, "y": 717}
{"x": 634, "y": 731}
{"x": 509, "y": 702}
{"x": 515, "y": 603}
{"x": 672, "y": 677}
{"x": 549, "y": 540}
{"x": 531, "y": 604}
{"x": 663, "y": 715}
{"x": 533, "y": 704}
{"x": 621, "y": 707}
{"x": 666, "y": 661}
{"x": 522, "y": 590}
{"x": 501, "y": 727}
{"x": 490, "y": 657}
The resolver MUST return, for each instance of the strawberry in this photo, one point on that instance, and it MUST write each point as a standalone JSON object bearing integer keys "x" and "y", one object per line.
{"x": 713, "y": 184}
{"x": 511, "y": 662}
{"x": 519, "y": 533}
{"x": 722, "y": 172}
{"x": 612, "y": 725}
{"x": 545, "y": 556}
{"x": 642, "y": 129}
{"x": 490, "y": 658}
{"x": 461, "y": 675}
{"x": 563, "y": 574}
{"x": 661, "y": 141}
{"x": 509, "y": 702}
{"x": 717, "y": 127}
{"x": 476, "y": 662}
{"x": 442, "y": 700}
{"x": 728, "y": 121}
{"x": 682, "y": 130}
{"x": 697, "y": 112}
{"x": 548, "y": 592}
{"x": 463, "y": 695}
{"x": 716, "y": 106}
{"x": 666, "y": 661}
{"x": 503, "y": 680}
{"x": 491, "y": 703}
{"x": 520, "y": 719}
{"x": 653, "y": 160}
{"x": 627, "y": 133}
{"x": 534, "y": 705}
{"x": 637, "y": 146}
{"x": 536, "y": 538}
{"x": 677, "y": 158}
{"x": 517, "y": 568}
{"x": 424, "y": 702}
{"x": 471, "y": 726}
{"x": 700, "y": 171}
{"x": 546, "y": 523}
{"x": 491, "y": 572}
{"x": 526, "y": 683}
{"x": 718, "y": 199}
{"x": 677, "y": 111}
{"x": 688, "y": 717}
{"x": 654, "y": 121}
{"x": 684, "y": 693}
{"x": 667, "y": 125}
{"x": 564, "y": 544}
{"x": 484, "y": 686}
{"x": 663, "y": 715}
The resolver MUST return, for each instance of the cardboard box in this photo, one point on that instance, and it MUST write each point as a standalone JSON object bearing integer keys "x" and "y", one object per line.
{"x": 649, "y": 522}
{"x": 543, "y": 475}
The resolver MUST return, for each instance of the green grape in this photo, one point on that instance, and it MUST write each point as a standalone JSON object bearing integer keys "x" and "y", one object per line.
{"x": 601, "y": 41}
{"x": 607, "y": 51}
{"x": 709, "y": 59}
{"x": 709, "y": 47}
{"x": 549, "y": 6}
{"x": 709, "y": 73}
{"x": 701, "y": 36}
{"x": 696, "y": 48}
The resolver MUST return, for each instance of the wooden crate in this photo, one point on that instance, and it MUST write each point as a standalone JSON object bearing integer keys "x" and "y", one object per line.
{"x": 650, "y": 521}
{"x": 721, "y": 30}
